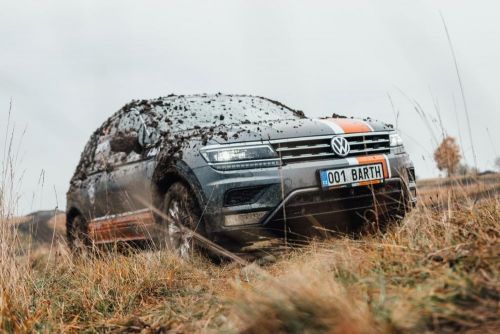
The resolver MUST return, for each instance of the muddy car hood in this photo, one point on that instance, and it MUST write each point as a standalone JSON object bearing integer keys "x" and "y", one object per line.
{"x": 298, "y": 128}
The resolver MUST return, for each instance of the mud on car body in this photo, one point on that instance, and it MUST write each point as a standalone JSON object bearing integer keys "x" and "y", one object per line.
{"x": 236, "y": 169}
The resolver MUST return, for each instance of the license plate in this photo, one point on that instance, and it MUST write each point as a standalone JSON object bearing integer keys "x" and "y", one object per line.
{"x": 354, "y": 176}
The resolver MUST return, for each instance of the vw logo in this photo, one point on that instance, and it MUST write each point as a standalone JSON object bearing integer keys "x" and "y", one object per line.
{"x": 341, "y": 146}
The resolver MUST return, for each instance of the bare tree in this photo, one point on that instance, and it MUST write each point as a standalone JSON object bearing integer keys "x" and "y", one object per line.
{"x": 464, "y": 169}
{"x": 447, "y": 156}
{"x": 497, "y": 163}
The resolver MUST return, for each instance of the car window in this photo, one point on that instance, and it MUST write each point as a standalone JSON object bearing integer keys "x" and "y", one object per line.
{"x": 123, "y": 141}
{"x": 103, "y": 145}
{"x": 117, "y": 142}
{"x": 86, "y": 164}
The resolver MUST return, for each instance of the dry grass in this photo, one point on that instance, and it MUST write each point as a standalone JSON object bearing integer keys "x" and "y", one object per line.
{"x": 433, "y": 273}
{"x": 438, "y": 271}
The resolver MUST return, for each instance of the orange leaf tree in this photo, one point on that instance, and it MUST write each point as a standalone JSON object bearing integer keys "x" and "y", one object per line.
{"x": 447, "y": 156}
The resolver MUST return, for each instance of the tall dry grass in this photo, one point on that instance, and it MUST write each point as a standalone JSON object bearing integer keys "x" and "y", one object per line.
{"x": 437, "y": 271}
{"x": 14, "y": 298}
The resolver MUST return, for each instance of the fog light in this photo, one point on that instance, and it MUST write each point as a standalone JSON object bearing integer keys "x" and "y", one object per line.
{"x": 244, "y": 218}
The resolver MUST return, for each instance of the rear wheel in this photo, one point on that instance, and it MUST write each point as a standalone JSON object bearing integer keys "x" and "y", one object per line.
{"x": 77, "y": 233}
{"x": 181, "y": 218}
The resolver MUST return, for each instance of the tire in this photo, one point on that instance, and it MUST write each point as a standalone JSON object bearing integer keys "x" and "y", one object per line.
{"x": 184, "y": 217}
{"x": 77, "y": 234}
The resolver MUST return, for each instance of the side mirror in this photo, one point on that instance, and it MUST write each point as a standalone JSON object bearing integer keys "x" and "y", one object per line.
{"x": 146, "y": 137}
{"x": 126, "y": 143}
{"x": 143, "y": 136}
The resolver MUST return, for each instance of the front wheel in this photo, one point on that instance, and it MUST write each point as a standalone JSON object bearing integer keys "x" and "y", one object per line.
{"x": 181, "y": 219}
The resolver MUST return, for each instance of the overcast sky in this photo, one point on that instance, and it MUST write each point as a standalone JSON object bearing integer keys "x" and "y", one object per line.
{"x": 68, "y": 65}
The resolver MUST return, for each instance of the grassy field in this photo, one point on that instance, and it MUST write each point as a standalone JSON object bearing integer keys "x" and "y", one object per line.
{"x": 437, "y": 271}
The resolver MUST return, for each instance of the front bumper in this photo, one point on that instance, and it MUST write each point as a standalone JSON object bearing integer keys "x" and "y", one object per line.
{"x": 277, "y": 188}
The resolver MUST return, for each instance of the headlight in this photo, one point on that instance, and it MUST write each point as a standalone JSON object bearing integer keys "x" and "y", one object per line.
{"x": 395, "y": 140}
{"x": 242, "y": 157}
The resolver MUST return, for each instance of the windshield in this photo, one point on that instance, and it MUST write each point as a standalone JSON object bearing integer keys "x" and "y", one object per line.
{"x": 190, "y": 112}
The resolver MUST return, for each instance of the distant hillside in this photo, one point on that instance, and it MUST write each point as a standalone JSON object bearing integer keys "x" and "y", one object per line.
{"x": 42, "y": 226}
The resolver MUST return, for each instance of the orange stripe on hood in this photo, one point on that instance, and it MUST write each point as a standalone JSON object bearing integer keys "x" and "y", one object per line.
{"x": 373, "y": 159}
{"x": 351, "y": 125}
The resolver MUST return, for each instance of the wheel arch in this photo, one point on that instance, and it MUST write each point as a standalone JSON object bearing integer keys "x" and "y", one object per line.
{"x": 176, "y": 171}
{"x": 71, "y": 213}
{"x": 179, "y": 171}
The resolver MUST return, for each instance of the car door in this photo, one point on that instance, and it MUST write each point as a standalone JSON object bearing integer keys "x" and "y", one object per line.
{"x": 123, "y": 188}
{"x": 128, "y": 174}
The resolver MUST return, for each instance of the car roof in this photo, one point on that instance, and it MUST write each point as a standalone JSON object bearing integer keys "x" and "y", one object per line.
{"x": 205, "y": 101}
{"x": 183, "y": 112}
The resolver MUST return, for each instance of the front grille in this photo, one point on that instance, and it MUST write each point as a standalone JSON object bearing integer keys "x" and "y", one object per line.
{"x": 318, "y": 148}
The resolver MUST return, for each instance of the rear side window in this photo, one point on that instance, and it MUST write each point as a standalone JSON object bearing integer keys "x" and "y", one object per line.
{"x": 96, "y": 153}
{"x": 103, "y": 153}
{"x": 87, "y": 161}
